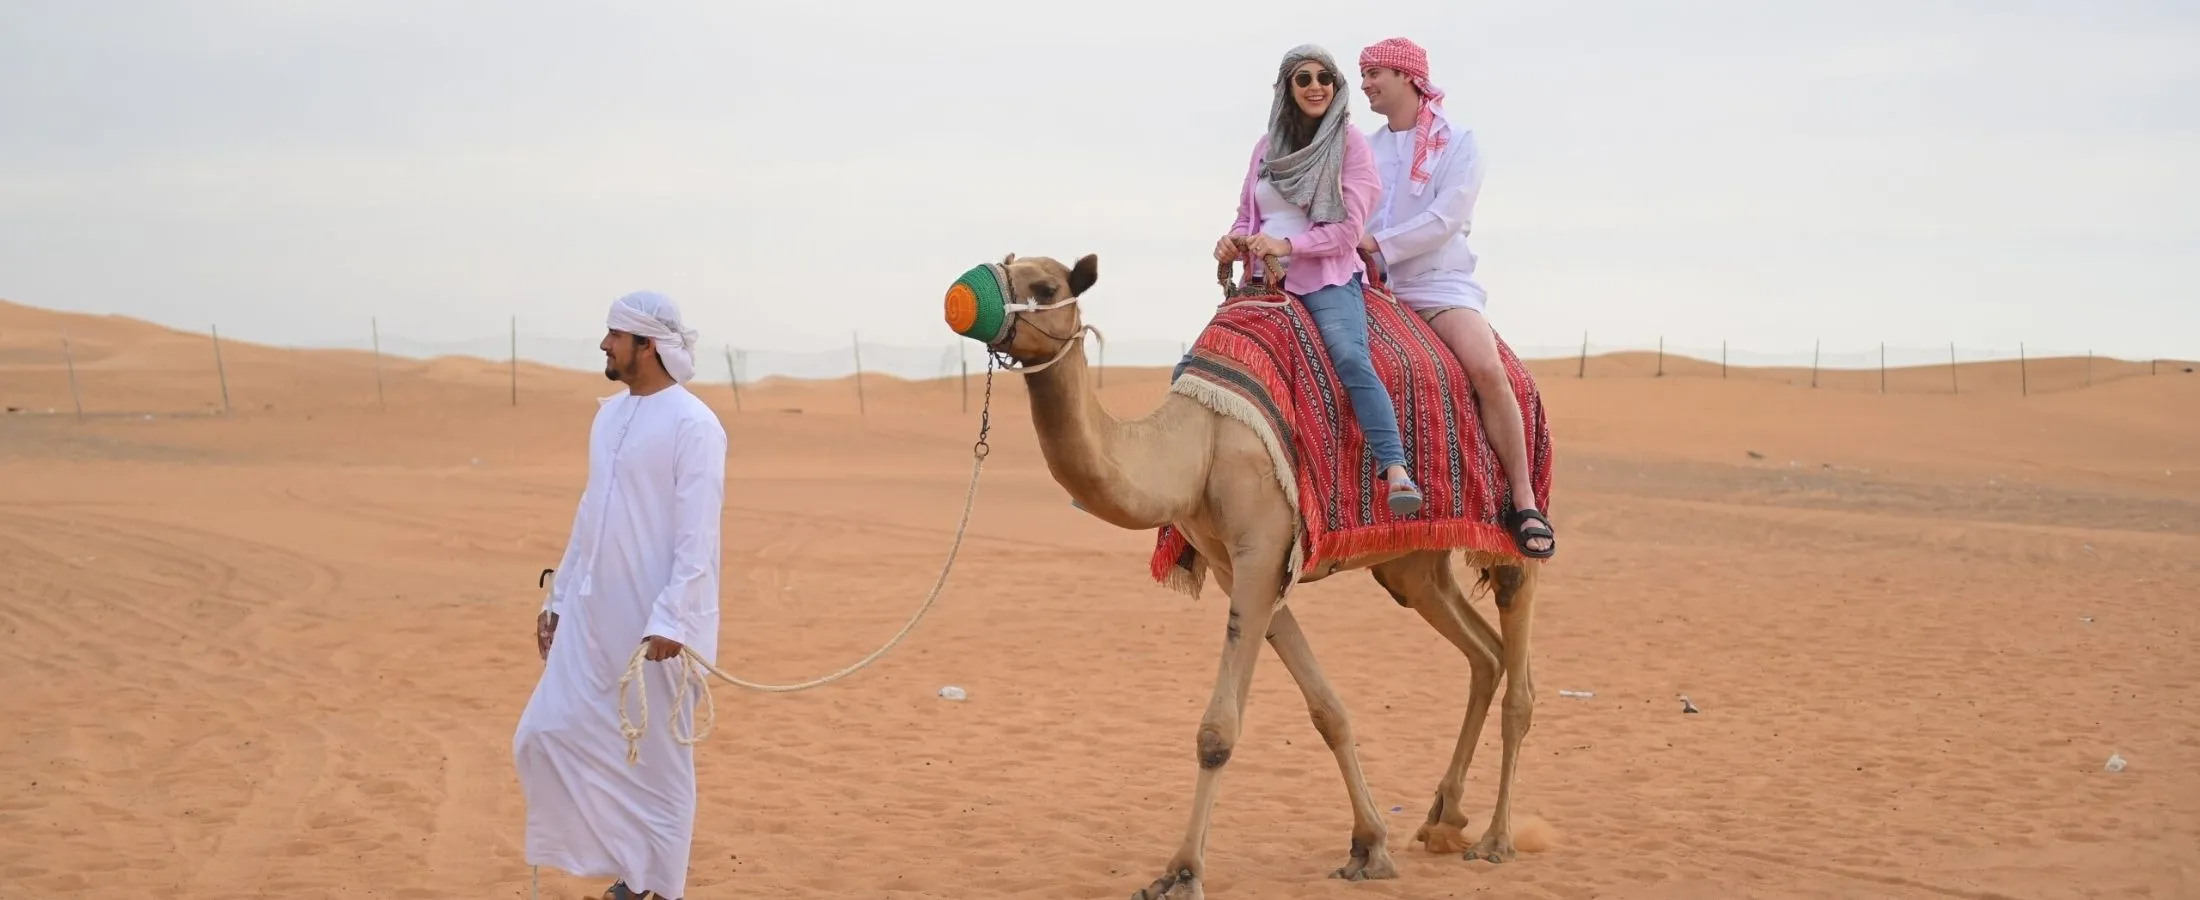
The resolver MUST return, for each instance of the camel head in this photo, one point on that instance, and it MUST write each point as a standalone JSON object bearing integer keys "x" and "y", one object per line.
{"x": 1022, "y": 309}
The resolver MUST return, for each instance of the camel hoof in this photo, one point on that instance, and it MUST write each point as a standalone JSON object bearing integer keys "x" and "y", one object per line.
{"x": 1376, "y": 867}
{"x": 1494, "y": 848}
{"x": 1442, "y": 837}
{"x": 1178, "y": 885}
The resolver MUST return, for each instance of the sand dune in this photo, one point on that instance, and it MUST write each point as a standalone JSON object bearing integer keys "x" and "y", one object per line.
{"x": 279, "y": 652}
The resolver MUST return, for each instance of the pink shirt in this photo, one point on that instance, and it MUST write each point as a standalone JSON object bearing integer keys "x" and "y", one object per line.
{"x": 1328, "y": 253}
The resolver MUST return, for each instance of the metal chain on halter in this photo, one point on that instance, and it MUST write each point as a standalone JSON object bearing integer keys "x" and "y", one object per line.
{"x": 985, "y": 412}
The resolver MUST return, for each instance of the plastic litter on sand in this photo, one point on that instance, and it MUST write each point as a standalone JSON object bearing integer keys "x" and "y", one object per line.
{"x": 952, "y": 692}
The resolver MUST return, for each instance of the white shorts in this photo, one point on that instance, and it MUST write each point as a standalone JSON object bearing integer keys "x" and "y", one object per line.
{"x": 1432, "y": 292}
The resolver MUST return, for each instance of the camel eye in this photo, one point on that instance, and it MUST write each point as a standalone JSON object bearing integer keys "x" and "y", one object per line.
{"x": 1043, "y": 292}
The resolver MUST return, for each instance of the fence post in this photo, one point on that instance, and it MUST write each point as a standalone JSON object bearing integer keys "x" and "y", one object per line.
{"x": 1583, "y": 372}
{"x": 1955, "y": 381}
{"x": 964, "y": 359}
{"x": 1661, "y": 356}
{"x": 1882, "y": 367}
{"x": 375, "y": 327}
{"x": 515, "y": 361}
{"x": 2024, "y": 380}
{"x": 69, "y": 356}
{"x": 1722, "y": 359}
{"x": 2088, "y": 368}
{"x": 733, "y": 377}
{"x": 1814, "y": 363}
{"x": 220, "y": 370}
{"x": 855, "y": 345}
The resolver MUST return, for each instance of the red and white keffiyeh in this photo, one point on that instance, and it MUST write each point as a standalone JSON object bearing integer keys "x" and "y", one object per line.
{"x": 1411, "y": 61}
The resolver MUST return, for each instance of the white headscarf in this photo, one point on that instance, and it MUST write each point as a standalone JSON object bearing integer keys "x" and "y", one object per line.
{"x": 652, "y": 315}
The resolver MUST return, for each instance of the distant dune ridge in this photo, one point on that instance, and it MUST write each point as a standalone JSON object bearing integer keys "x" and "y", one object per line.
{"x": 118, "y": 358}
{"x": 280, "y": 652}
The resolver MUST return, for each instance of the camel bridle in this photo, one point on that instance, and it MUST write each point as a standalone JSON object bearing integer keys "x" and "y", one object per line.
{"x": 1016, "y": 309}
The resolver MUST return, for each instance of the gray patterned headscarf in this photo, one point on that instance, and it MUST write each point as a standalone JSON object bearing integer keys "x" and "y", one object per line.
{"x": 1312, "y": 177}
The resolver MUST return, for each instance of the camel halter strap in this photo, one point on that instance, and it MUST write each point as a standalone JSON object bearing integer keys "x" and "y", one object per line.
{"x": 978, "y": 307}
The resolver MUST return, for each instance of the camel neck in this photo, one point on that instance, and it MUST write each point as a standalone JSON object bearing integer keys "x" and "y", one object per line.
{"x": 1129, "y": 474}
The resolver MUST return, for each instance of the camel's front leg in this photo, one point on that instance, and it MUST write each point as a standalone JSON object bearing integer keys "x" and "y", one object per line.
{"x": 1255, "y": 584}
{"x": 1370, "y": 840}
{"x": 1515, "y": 610}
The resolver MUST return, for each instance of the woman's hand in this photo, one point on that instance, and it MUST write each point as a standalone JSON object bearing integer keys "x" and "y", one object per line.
{"x": 1226, "y": 250}
{"x": 1264, "y": 245}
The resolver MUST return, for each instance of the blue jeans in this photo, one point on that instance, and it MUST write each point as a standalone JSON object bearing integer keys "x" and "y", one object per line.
{"x": 1340, "y": 315}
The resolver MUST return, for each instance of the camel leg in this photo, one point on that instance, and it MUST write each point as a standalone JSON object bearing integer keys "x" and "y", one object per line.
{"x": 1370, "y": 843}
{"x": 1427, "y": 585}
{"x": 1515, "y": 606}
{"x": 1256, "y": 580}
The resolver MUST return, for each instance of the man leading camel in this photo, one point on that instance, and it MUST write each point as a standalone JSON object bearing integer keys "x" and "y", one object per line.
{"x": 1431, "y": 173}
{"x": 640, "y": 566}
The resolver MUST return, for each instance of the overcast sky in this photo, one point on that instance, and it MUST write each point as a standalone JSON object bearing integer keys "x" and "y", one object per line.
{"x": 1768, "y": 173}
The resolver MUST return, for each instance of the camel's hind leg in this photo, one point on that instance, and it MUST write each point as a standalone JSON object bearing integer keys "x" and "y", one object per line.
{"x": 1515, "y": 608}
{"x": 1370, "y": 842}
{"x": 1424, "y": 582}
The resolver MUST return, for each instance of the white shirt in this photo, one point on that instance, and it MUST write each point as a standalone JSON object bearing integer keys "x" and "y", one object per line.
{"x": 1424, "y": 238}
{"x": 1279, "y": 218}
{"x": 642, "y": 560}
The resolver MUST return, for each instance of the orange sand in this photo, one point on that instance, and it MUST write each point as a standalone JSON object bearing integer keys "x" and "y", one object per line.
{"x": 280, "y": 653}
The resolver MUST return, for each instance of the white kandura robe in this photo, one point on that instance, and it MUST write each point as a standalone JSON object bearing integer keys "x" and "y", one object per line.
{"x": 642, "y": 559}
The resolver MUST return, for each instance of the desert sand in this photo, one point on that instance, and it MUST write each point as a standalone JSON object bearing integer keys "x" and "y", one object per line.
{"x": 279, "y": 652}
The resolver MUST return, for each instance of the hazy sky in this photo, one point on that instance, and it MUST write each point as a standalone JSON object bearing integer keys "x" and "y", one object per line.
{"x": 1768, "y": 173}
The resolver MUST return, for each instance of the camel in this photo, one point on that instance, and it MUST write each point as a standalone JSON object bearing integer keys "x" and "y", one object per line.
{"x": 1211, "y": 476}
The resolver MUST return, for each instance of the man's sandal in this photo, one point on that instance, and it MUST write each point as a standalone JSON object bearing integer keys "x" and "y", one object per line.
{"x": 1529, "y": 524}
{"x": 619, "y": 891}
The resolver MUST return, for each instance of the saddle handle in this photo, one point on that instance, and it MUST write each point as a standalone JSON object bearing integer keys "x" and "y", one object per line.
{"x": 1226, "y": 270}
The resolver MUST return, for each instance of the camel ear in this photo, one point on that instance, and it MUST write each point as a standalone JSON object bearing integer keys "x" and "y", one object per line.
{"x": 1082, "y": 277}
{"x": 1008, "y": 260}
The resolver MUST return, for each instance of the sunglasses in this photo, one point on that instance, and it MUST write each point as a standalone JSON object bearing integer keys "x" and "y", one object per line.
{"x": 1307, "y": 79}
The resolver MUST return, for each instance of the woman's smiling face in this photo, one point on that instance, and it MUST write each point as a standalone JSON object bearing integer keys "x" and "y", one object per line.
{"x": 1313, "y": 86}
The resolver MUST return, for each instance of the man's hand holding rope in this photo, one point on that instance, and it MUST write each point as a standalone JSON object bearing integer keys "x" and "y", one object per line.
{"x": 661, "y": 648}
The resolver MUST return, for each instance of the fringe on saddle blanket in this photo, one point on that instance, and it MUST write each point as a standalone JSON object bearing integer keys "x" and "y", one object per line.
{"x": 1264, "y": 365}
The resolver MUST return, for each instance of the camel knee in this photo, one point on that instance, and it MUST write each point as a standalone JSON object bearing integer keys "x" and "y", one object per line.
{"x": 1484, "y": 671}
{"x": 1519, "y": 705}
{"x": 1332, "y": 724}
{"x": 1214, "y": 749}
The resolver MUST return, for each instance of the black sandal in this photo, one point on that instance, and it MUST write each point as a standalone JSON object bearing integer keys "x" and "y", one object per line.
{"x": 1536, "y": 527}
{"x": 619, "y": 891}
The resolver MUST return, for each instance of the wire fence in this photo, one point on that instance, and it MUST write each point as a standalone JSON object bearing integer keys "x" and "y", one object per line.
{"x": 159, "y": 371}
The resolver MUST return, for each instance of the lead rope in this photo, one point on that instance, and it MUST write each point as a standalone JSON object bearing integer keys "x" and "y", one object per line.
{"x": 692, "y": 666}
